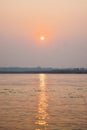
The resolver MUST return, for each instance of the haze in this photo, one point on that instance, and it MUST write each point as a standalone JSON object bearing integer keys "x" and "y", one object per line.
{"x": 62, "y": 22}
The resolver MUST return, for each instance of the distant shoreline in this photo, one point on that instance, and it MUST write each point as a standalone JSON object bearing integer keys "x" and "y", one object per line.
{"x": 39, "y": 70}
{"x": 43, "y": 72}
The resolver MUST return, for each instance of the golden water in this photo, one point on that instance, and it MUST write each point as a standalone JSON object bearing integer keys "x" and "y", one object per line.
{"x": 43, "y": 102}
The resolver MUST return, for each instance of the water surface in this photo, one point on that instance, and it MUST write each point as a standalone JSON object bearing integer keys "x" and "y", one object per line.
{"x": 43, "y": 102}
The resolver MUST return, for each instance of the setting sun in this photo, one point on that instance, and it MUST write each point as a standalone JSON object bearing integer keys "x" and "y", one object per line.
{"x": 42, "y": 38}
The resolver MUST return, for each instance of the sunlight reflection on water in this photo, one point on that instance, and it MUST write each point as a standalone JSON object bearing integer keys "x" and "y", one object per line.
{"x": 42, "y": 104}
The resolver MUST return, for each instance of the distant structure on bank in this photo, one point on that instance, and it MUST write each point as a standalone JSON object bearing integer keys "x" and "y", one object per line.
{"x": 43, "y": 70}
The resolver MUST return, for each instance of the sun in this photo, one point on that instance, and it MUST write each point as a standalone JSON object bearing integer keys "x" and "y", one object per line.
{"x": 42, "y": 38}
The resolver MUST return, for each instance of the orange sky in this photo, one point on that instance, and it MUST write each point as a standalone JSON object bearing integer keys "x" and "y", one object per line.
{"x": 60, "y": 21}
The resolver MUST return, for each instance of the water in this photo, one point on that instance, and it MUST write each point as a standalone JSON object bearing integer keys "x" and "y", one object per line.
{"x": 43, "y": 102}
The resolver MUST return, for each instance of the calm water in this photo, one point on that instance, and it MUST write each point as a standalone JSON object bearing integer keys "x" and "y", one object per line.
{"x": 43, "y": 102}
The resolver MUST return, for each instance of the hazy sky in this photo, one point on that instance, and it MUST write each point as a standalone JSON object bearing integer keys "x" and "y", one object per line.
{"x": 62, "y": 22}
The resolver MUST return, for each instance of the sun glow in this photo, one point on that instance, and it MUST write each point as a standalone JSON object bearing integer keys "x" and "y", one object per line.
{"x": 42, "y": 38}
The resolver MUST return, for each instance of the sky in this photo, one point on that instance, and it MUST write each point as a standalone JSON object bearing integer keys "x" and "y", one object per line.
{"x": 63, "y": 23}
